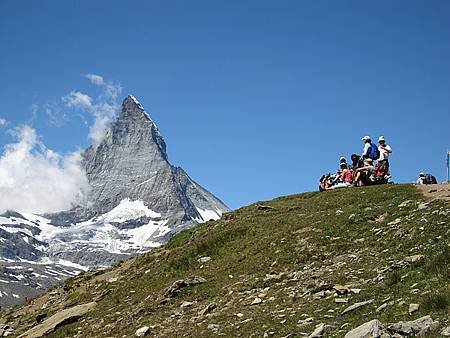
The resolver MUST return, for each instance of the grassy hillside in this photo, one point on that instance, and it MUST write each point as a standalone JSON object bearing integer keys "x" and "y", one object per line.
{"x": 273, "y": 268}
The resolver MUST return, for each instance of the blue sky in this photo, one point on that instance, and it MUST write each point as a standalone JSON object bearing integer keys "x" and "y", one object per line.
{"x": 255, "y": 99}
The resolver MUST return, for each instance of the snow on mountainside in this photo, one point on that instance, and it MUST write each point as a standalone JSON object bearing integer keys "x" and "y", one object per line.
{"x": 137, "y": 201}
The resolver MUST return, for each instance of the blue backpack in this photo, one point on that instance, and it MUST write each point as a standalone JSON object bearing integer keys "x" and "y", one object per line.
{"x": 374, "y": 153}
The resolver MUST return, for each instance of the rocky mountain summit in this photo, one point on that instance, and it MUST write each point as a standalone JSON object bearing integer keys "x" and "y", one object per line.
{"x": 356, "y": 263}
{"x": 137, "y": 200}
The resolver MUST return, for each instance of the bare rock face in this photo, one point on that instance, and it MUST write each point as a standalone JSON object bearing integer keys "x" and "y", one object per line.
{"x": 131, "y": 162}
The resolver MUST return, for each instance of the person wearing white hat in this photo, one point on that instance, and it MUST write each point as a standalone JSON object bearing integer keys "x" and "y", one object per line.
{"x": 385, "y": 150}
{"x": 367, "y": 143}
{"x": 421, "y": 179}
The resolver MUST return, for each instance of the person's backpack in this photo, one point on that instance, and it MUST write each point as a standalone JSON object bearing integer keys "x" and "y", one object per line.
{"x": 374, "y": 153}
{"x": 430, "y": 179}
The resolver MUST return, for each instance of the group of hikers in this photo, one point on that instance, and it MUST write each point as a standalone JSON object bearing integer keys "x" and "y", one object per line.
{"x": 371, "y": 167}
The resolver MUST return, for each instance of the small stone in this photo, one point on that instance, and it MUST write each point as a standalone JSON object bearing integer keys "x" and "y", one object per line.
{"x": 210, "y": 308}
{"x": 404, "y": 203}
{"x": 340, "y": 289}
{"x": 356, "y": 306}
{"x": 422, "y": 206}
{"x": 341, "y": 300}
{"x": 239, "y": 315}
{"x": 304, "y": 322}
{"x": 256, "y": 301}
{"x": 413, "y": 308}
{"x": 186, "y": 304}
{"x": 143, "y": 331}
{"x": 355, "y": 290}
{"x": 204, "y": 259}
{"x": 446, "y": 331}
{"x": 413, "y": 259}
{"x": 382, "y": 307}
{"x": 213, "y": 327}
{"x": 318, "y": 332}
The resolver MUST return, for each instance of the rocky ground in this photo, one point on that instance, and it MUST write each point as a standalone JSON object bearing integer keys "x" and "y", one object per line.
{"x": 360, "y": 262}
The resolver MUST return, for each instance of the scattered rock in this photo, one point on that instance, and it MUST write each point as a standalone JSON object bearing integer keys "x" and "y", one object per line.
{"x": 357, "y": 306}
{"x": 204, "y": 259}
{"x": 339, "y": 211}
{"x": 176, "y": 287}
{"x": 422, "y": 206}
{"x": 210, "y": 308}
{"x": 413, "y": 259}
{"x": 318, "y": 332}
{"x": 143, "y": 331}
{"x": 256, "y": 301}
{"x": 186, "y": 304}
{"x": 304, "y": 322}
{"x": 213, "y": 327}
{"x": 419, "y": 325}
{"x": 397, "y": 221}
{"x": 264, "y": 207}
{"x": 340, "y": 289}
{"x": 404, "y": 203}
{"x": 413, "y": 308}
{"x": 341, "y": 300}
{"x": 62, "y": 317}
{"x": 383, "y": 306}
{"x": 446, "y": 331}
{"x": 372, "y": 329}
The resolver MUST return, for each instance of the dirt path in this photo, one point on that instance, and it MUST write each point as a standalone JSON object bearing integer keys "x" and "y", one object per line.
{"x": 439, "y": 191}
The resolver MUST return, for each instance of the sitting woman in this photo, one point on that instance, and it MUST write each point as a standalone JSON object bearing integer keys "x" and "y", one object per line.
{"x": 366, "y": 174}
{"x": 344, "y": 179}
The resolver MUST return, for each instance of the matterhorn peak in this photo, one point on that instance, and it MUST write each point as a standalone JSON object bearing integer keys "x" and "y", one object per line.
{"x": 132, "y": 107}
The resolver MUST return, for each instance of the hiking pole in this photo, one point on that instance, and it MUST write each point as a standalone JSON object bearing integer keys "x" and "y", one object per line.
{"x": 448, "y": 166}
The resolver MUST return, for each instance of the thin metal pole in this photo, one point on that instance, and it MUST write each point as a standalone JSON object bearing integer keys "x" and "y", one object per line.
{"x": 448, "y": 166}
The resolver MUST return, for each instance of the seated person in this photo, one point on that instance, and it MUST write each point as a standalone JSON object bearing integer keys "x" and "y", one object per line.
{"x": 366, "y": 174}
{"x": 421, "y": 179}
{"x": 357, "y": 162}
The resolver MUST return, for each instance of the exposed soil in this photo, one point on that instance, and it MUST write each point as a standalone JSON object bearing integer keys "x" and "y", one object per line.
{"x": 436, "y": 191}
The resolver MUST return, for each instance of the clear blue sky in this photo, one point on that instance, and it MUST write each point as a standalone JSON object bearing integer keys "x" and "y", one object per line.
{"x": 255, "y": 99}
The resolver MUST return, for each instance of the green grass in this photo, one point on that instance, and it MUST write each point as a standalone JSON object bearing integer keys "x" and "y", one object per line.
{"x": 305, "y": 244}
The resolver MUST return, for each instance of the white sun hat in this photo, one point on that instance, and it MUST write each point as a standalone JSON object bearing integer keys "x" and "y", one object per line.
{"x": 381, "y": 138}
{"x": 365, "y": 138}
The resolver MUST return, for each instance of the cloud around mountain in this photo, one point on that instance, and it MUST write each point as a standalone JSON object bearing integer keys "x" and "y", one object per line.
{"x": 36, "y": 179}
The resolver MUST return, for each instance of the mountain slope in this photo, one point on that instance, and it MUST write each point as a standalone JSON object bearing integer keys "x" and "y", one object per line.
{"x": 273, "y": 269}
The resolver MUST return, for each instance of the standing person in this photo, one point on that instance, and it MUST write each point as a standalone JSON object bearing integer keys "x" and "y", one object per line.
{"x": 385, "y": 150}
{"x": 370, "y": 149}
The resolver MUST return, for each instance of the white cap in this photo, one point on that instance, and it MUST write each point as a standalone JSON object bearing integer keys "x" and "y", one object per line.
{"x": 342, "y": 159}
{"x": 365, "y": 138}
{"x": 381, "y": 138}
{"x": 422, "y": 174}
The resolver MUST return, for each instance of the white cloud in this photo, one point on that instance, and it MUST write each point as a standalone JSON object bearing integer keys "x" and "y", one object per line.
{"x": 36, "y": 179}
{"x": 103, "y": 108}
{"x": 95, "y": 79}
{"x": 77, "y": 99}
{"x": 2, "y": 122}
